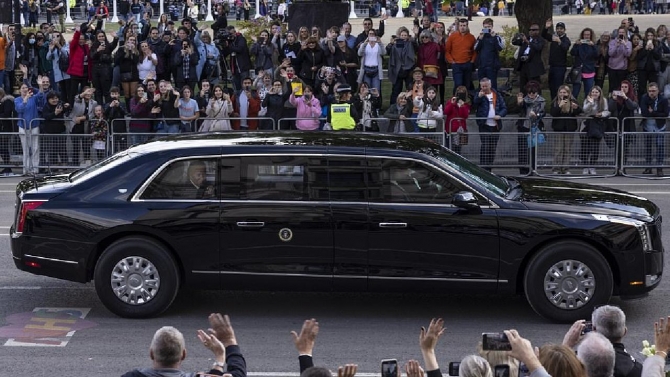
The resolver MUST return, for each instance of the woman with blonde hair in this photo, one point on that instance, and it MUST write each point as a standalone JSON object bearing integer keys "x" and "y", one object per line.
{"x": 475, "y": 366}
{"x": 564, "y": 109}
{"x": 561, "y": 361}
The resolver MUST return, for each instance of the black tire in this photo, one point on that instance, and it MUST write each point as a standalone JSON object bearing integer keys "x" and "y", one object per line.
{"x": 147, "y": 252}
{"x": 573, "y": 254}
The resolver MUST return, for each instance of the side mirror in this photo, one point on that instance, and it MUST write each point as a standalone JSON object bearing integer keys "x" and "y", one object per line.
{"x": 465, "y": 200}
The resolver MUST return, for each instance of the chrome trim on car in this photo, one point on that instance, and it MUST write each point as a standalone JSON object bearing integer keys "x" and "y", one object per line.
{"x": 437, "y": 165}
{"x": 50, "y": 259}
{"x": 349, "y": 276}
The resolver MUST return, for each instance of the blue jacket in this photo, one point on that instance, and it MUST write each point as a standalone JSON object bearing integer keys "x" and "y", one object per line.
{"x": 585, "y": 56}
{"x": 26, "y": 112}
{"x": 488, "y": 49}
{"x": 482, "y": 104}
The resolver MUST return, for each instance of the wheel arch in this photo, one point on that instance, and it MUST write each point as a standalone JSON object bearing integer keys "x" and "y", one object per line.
{"x": 609, "y": 257}
{"x": 105, "y": 242}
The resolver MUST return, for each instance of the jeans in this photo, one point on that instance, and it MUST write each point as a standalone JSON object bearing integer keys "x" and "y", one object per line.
{"x": 657, "y": 136}
{"x": 462, "y": 75}
{"x": 30, "y": 144}
{"x": 373, "y": 82}
{"x": 490, "y": 73}
{"x": 169, "y": 129}
{"x": 556, "y": 78}
{"x": 398, "y": 86}
{"x": 588, "y": 84}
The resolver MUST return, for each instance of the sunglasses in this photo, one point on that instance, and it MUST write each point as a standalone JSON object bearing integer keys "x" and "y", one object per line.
{"x": 534, "y": 29}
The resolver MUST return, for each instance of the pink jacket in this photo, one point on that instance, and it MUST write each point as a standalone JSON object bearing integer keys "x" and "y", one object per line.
{"x": 305, "y": 111}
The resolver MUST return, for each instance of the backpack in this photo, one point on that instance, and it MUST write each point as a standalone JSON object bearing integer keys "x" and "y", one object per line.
{"x": 63, "y": 60}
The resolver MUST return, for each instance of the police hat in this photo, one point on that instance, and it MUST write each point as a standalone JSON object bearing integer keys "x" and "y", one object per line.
{"x": 344, "y": 89}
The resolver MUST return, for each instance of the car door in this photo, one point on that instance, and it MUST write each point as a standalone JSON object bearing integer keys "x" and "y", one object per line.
{"x": 348, "y": 190}
{"x": 181, "y": 201}
{"x": 419, "y": 240}
{"x": 276, "y": 229}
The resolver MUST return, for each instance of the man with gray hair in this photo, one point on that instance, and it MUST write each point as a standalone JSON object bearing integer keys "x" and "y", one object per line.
{"x": 597, "y": 355}
{"x": 168, "y": 351}
{"x": 611, "y": 322}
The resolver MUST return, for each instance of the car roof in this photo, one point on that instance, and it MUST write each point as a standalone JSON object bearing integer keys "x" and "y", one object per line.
{"x": 288, "y": 138}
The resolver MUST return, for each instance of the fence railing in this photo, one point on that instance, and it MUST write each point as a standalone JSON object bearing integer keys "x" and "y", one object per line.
{"x": 631, "y": 146}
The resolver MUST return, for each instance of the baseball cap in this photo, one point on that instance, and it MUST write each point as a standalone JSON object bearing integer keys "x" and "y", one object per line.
{"x": 560, "y": 24}
{"x": 341, "y": 38}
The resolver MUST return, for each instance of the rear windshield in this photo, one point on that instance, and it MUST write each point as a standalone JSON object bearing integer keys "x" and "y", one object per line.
{"x": 101, "y": 166}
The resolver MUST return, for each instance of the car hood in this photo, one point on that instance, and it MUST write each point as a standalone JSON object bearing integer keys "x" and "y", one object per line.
{"x": 555, "y": 195}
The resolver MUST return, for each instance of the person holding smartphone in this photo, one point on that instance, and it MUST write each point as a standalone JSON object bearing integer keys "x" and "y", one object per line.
{"x": 564, "y": 109}
{"x": 456, "y": 113}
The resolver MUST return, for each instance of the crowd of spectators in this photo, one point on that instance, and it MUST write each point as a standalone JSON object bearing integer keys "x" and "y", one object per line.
{"x": 170, "y": 78}
{"x": 589, "y": 349}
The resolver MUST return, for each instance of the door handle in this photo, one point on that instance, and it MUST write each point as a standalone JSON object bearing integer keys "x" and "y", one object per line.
{"x": 250, "y": 224}
{"x": 393, "y": 225}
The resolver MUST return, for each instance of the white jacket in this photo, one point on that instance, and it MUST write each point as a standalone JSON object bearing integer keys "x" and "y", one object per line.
{"x": 427, "y": 117}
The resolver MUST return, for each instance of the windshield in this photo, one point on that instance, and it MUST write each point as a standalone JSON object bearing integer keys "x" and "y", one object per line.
{"x": 496, "y": 184}
{"x": 100, "y": 166}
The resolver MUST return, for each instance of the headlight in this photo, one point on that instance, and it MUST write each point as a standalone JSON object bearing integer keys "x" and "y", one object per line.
{"x": 641, "y": 227}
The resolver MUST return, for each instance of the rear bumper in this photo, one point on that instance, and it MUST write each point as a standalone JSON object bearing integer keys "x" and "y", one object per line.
{"x": 48, "y": 257}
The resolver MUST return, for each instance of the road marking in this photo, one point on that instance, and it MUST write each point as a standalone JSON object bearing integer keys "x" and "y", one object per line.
{"x": 292, "y": 374}
{"x": 650, "y": 192}
{"x": 45, "y": 327}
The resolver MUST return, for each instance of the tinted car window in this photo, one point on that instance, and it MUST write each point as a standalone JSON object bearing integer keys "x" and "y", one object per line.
{"x": 184, "y": 179}
{"x": 406, "y": 181}
{"x": 283, "y": 178}
{"x": 348, "y": 179}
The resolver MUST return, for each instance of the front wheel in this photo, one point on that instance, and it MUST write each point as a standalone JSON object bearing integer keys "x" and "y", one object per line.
{"x": 136, "y": 277}
{"x": 566, "y": 280}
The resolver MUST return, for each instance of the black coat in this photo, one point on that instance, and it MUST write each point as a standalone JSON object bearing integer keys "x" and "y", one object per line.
{"x": 52, "y": 124}
{"x": 242, "y": 59}
{"x": 308, "y": 58}
{"x": 178, "y": 64}
{"x": 564, "y": 122}
{"x": 534, "y": 66}
{"x": 7, "y": 112}
{"x": 625, "y": 365}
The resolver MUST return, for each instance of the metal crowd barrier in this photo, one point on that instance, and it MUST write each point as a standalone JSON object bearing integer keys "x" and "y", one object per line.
{"x": 644, "y": 148}
{"x": 171, "y": 126}
{"x": 383, "y": 124}
{"x": 11, "y": 151}
{"x": 577, "y": 155}
{"x": 289, "y": 123}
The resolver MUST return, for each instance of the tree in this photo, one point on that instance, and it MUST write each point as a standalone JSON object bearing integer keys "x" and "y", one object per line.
{"x": 529, "y": 12}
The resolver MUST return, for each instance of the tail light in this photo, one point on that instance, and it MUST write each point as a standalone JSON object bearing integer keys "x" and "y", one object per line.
{"x": 23, "y": 212}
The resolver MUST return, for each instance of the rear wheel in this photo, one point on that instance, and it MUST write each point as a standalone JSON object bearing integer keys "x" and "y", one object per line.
{"x": 136, "y": 277}
{"x": 566, "y": 280}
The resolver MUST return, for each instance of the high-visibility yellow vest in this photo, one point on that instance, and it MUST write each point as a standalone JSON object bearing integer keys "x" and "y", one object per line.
{"x": 340, "y": 117}
{"x": 405, "y": 4}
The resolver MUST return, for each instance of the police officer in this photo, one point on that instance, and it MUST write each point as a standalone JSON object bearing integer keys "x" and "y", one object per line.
{"x": 343, "y": 115}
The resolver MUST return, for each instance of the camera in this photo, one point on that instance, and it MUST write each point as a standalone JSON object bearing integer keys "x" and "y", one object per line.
{"x": 222, "y": 37}
{"x": 501, "y": 370}
{"x": 588, "y": 327}
{"x": 461, "y": 96}
{"x": 389, "y": 368}
{"x": 454, "y": 366}
{"x": 495, "y": 342}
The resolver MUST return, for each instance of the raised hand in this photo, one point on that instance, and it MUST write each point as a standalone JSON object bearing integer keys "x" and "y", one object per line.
{"x": 304, "y": 342}
{"x": 223, "y": 329}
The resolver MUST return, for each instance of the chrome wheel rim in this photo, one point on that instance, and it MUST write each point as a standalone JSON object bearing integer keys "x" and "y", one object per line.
{"x": 135, "y": 280}
{"x": 569, "y": 284}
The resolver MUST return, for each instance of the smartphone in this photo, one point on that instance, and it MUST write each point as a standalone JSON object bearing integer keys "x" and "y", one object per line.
{"x": 389, "y": 368}
{"x": 501, "y": 370}
{"x": 586, "y": 40}
{"x": 617, "y": 93}
{"x": 588, "y": 327}
{"x": 454, "y": 366}
{"x": 523, "y": 370}
{"x": 495, "y": 342}
{"x": 486, "y": 31}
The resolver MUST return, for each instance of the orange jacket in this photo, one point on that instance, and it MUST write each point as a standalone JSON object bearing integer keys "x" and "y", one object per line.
{"x": 460, "y": 48}
{"x": 3, "y": 45}
{"x": 252, "y": 112}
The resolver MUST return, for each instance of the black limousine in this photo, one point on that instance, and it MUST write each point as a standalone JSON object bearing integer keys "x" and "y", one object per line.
{"x": 331, "y": 212}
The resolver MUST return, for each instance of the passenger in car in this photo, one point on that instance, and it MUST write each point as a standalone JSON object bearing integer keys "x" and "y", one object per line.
{"x": 197, "y": 186}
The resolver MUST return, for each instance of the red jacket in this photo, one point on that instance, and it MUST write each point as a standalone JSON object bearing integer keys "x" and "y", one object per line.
{"x": 428, "y": 54}
{"x": 77, "y": 53}
{"x": 455, "y": 116}
{"x": 254, "y": 107}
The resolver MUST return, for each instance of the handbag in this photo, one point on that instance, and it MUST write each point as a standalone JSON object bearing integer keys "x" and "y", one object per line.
{"x": 595, "y": 128}
{"x": 574, "y": 76}
{"x": 371, "y": 71}
{"x": 431, "y": 71}
{"x": 462, "y": 136}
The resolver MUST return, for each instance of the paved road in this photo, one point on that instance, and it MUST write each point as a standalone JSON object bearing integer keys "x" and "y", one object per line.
{"x": 360, "y": 328}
